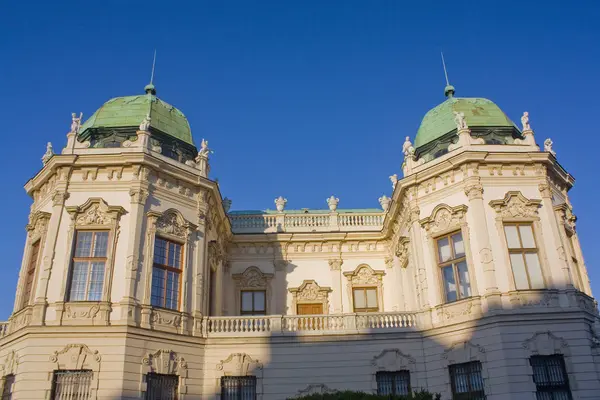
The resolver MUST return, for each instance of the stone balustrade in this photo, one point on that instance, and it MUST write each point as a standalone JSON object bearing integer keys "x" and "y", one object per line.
{"x": 347, "y": 221}
{"x": 288, "y": 325}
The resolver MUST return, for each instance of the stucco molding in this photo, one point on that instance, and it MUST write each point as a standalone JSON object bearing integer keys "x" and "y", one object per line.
{"x": 444, "y": 218}
{"x": 310, "y": 293}
{"x": 10, "y": 364}
{"x": 166, "y": 362}
{"x": 516, "y": 206}
{"x": 76, "y": 356}
{"x": 545, "y": 344}
{"x": 365, "y": 276}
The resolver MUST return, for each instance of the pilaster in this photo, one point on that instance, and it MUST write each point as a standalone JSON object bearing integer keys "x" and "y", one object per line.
{"x": 280, "y": 289}
{"x": 335, "y": 266}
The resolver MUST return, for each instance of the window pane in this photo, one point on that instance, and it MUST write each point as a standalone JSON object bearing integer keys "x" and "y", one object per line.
{"x": 359, "y": 298}
{"x": 160, "y": 251}
{"x": 518, "y": 268}
{"x": 459, "y": 245}
{"x": 9, "y": 381}
{"x": 84, "y": 244}
{"x": 158, "y": 287}
{"x": 449, "y": 284}
{"x": 527, "y": 239}
{"x": 246, "y": 301}
{"x": 463, "y": 276}
{"x": 371, "y": 298}
{"x": 96, "y": 281}
{"x": 172, "y": 297}
{"x": 444, "y": 249}
{"x": 176, "y": 255}
{"x": 512, "y": 237}
{"x": 161, "y": 387}
{"x": 535, "y": 271}
{"x": 238, "y": 388}
{"x": 78, "y": 281}
{"x": 101, "y": 244}
{"x": 259, "y": 301}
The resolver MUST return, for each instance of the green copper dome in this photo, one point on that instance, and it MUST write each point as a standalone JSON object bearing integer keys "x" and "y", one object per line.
{"x": 478, "y": 112}
{"x": 129, "y": 111}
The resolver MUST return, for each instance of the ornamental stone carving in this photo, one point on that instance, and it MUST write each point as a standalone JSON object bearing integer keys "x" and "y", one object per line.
{"x": 545, "y": 343}
{"x": 393, "y": 360}
{"x": 38, "y": 224}
{"x": 77, "y": 311}
{"x": 76, "y": 356}
{"x": 461, "y": 352}
{"x": 474, "y": 191}
{"x": 11, "y": 362}
{"x": 402, "y": 248}
{"x": 252, "y": 277}
{"x": 335, "y": 264}
{"x": 317, "y": 388}
{"x": 170, "y": 223}
{"x": 311, "y": 292}
{"x": 280, "y": 203}
{"x": 165, "y": 361}
{"x": 138, "y": 195}
{"x": 239, "y": 364}
{"x": 333, "y": 202}
{"x": 95, "y": 212}
{"x": 515, "y": 205}
{"x": 385, "y": 202}
{"x": 364, "y": 275}
{"x": 443, "y": 218}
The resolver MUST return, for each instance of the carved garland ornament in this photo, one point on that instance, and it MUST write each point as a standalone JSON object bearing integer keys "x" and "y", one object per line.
{"x": 444, "y": 218}
{"x": 515, "y": 205}
{"x": 95, "y": 212}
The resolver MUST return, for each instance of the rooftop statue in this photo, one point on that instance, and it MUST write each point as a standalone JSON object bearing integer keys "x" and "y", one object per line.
{"x": 145, "y": 125}
{"x": 548, "y": 146}
{"x": 459, "y": 118}
{"x": 525, "y": 121}
{"x": 76, "y": 122}
{"x": 48, "y": 154}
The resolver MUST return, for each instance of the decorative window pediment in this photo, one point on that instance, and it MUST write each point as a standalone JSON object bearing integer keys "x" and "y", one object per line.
{"x": 252, "y": 278}
{"x": 38, "y": 224}
{"x": 364, "y": 275}
{"x": 11, "y": 362}
{"x": 463, "y": 352}
{"x": 515, "y": 206}
{"x": 311, "y": 292}
{"x": 75, "y": 357}
{"x": 166, "y": 362}
{"x": 393, "y": 360}
{"x": 444, "y": 218}
{"x": 545, "y": 344}
{"x": 95, "y": 212}
{"x": 171, "y": 223}
{"x": 240, "y": 364}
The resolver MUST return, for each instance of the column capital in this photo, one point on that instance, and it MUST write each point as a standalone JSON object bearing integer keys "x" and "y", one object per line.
{"x": 59, "y": 198}
{"x": 280, "y": 265}
{"x": 335, "y": 264}
{"x": 138, "y": 195}
{"x": 474, "y": 190}
{"x": 545, "y": 190}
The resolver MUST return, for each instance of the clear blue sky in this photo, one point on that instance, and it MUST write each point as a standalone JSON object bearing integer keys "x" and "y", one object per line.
{"x": 298, "y": 98}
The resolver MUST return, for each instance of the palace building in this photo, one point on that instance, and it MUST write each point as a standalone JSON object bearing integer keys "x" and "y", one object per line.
{"x": 138, "y": 282}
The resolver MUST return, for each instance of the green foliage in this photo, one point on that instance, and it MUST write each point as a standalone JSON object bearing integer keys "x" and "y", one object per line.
{"x": 349, "y": 395}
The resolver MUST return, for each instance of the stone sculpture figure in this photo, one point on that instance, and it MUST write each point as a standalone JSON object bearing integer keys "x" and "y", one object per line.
{"x": 548, "y": 146}
{"x": 407, "y": 147}
{"x": 145, "y": 125}
{"x": 76, "y": 122}
{"x": 525, "y": 121}
{"x": 48, "y": 154}
{"x": 459, "y": 118}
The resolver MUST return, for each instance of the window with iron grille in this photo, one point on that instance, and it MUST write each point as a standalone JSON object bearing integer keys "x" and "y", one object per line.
{"x": 466, "y": 381}
{"x": 393, "y": 383}
{"x": 550, "y": 377}
{"x": 238, "y": 388}
{"x": 161, "y": 386}
{"x": 72, "y": 385}
{"x": 7, "y": 387}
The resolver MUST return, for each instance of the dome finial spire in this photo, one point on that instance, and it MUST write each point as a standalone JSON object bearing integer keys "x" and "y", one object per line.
{"x": 150, "y": 89}
{"x": 449, "y": 89}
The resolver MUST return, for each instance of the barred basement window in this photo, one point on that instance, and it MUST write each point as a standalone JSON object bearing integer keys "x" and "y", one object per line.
{"x": 550, "y": 377}
{"x": 161, "y": 386}
{"x": 238, "y": 388}
{"x": 72, "y": 385}
{"x": 7, "y": 387}
{"x": 393, "y": 383}
{"x": 466, "y": 381}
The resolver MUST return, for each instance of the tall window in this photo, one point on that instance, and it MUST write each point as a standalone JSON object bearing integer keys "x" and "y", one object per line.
{"x": 72, "y": 385}
{"x": 7, "y": 387}
{"x": 453, "y": 265}
{"x": 577, "y": 272}
{"x": 550, "y": 377}
{"x": 466, "y": 381}
{"x": 365, "y": 299}
{"x": 396, "y": 383}
{"x": 238, "y": 388}
{"x": 161, "y": 387}
{"x": 30, "y": 274}
{"x": 253, "y": 302}
{"x": 166, "y": 274}
{"x": 524, "y": 258}
{"x": 89, "y": 263}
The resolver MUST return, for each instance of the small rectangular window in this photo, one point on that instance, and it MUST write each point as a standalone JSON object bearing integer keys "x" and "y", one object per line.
{"x": 253, "y": 302}
{"x": 466, "y": 381}
{"x": 365, "y": 299}
{"x": 88, "y": 266}
{"x": 30, "y": 274}
{"x": 394, "y": 383}
{"x": 524, "y": 259}
{"x": 453, "y": 265}
{"x": 161, "y": 387}
{"x": 238, "y": 388}
{"x": 166, "y": 274}
{"x": 7, "y": 387}
{"x": 72, "y": 385}
{"x": 550, "y": 377}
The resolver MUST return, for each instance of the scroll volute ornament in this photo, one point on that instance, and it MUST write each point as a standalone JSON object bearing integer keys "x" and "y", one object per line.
{"x": 515, "y": 205}
{"x": 38, "y": 224}
{"x": 252, "y": 278}
{"x": 402, "y": 251}
{"x": 165, "y": 361}
{"x": 239, "y": 364}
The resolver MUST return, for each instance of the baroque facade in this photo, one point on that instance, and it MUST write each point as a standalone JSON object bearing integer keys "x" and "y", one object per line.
{"x": 137, "y": 280}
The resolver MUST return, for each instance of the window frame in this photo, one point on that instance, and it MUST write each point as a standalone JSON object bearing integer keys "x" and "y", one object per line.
{"x": 523, "y": 251}
{"x": 551, "y": 388}
{"x": 73, "y": 259}
{"x": 4, "y": 395}
{"x": 168, "y": 268}
{"x": 239, "y": 380}
{"x": 57, "y": 372}
{"x": 453, "y": 263}
{"x": 471, "y": 394}
{"x": 253, "y": 312}
{"x": 364, "y": 290}
{"x": 158, "y": 379}
{"x": 394, "y": 377}
{"x": 31, "y": 270}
